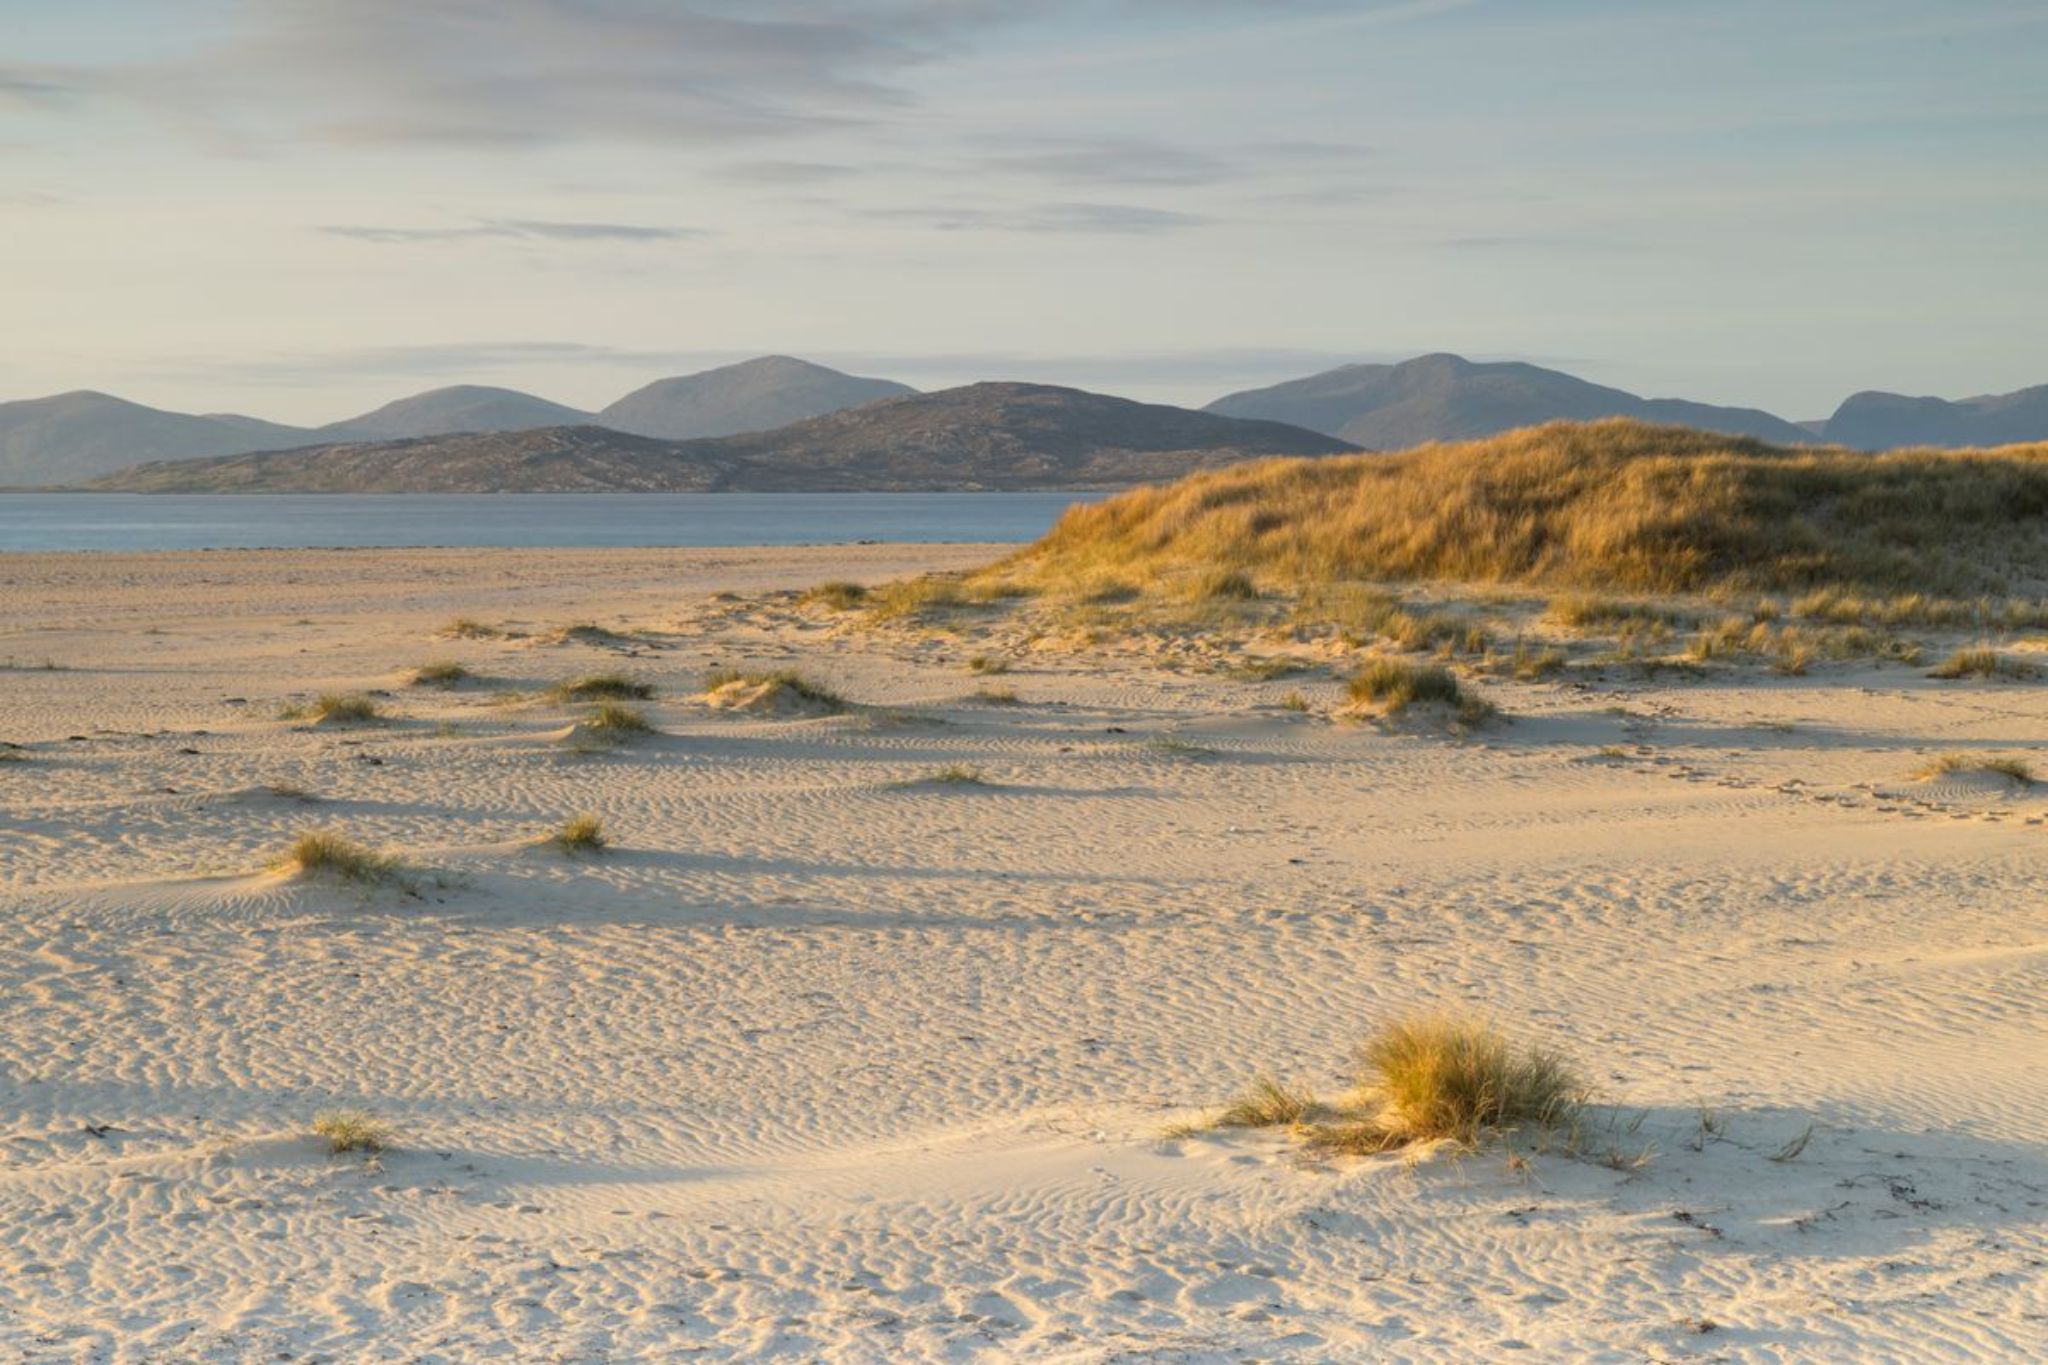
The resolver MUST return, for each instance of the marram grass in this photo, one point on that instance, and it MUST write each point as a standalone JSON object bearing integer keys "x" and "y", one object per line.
{"x": 1609, "y": 506}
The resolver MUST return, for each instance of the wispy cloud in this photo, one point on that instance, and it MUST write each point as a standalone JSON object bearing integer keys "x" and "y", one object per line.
{"x": 25, "y": 88}
{"x": 528, "y": 72}
{"x": 1111, "y": 219}
{"x": 524, "y": 73}
{"x": 785, "y": 173}
{"x": 1145, "y": 162}
{"x": 517, "y": 228}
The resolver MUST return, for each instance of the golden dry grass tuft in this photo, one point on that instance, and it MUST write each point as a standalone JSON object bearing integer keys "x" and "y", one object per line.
{"x": 915, "y": 599}
{"x": 592, "y": 687}
{"x": 1422, "y": 1079}
{"x": 583, "y": 834}
{"x": 1394, "y": 685}
{"x": 1267, "y": 1103}
{"x": 352, "y": 1130}
{"x": 1983, "y": 663}
{"x": 837, "y": 595}
{"x": 1264, "y": 668}
{"x": 955, "y": 775}
{"x": 2014, "y": 770}
{"x": 442, "y": 673}
{"x": 468, "y": 628}
{"x": 1440, "y": 1076}
{"x": 775, "y": 683}
{"x": 329, "y": 853}
{"x": 334, "y": 708}
{"x": 616, "y": 720}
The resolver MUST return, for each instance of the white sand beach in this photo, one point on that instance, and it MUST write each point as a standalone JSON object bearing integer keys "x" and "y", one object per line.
{"x": 827, "y": 1060}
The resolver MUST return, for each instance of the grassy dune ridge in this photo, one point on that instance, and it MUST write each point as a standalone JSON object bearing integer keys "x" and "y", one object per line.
{"x": 1617, "y": 505}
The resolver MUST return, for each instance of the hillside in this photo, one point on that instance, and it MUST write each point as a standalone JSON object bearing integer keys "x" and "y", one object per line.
{"x": 1614, "y": 504}
{"x": 755, "y": 395}
{"x": 581, "y": 459}
{"x": 1449, "y": 398}
{"x": 983, "y": 436}
{"x": 1879, "y": 421}
{"x": 72, "y": 437}
{"x": 458, "y": 408}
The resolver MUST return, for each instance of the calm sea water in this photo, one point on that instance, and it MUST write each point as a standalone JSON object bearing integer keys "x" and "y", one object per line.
{"x": 140, "y": 521}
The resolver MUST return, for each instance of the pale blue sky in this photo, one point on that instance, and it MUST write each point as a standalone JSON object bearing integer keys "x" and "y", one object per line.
{"x": 299, "y": 208}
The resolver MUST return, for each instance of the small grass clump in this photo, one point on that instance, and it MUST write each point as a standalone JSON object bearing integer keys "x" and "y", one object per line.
{"x": 1582, "y": 611}
{"x": 1267, "y": 1104}
{"x": 915, "y": 599}
{"x": 590, "y": 633}
{"x": 959, "y": 775}
{"x": 998, "y": 696}
{"x": 1533, "y": 665}
{"x": 1422, "y": 1079}
{"x": 775, "y": 684}
{"x": 2014, "y": 770}
{"x": 612, "y": 686}
{"x": 615, "y": 719}
{"x": 584, "y": 834}
{"x": 988, "y": 663}
{"x": 334, "y": 708}
{"x": 1983, "y": 663}
{"x": 1173, "y": 746}
{"x": 329, "y": 853}
{"x": 837, "y": 595}
{"x": 1264, "y": 668}
{"x": 1416, "y": 631}
{"x": 1444, "y": 1077}
{"x": 468, "y": 628}
{"x": 1441, "y": 1078}
{"x": 1394, "y": 685}
{"x": 442, "y": 673}
{"x": 352, "y": 1130}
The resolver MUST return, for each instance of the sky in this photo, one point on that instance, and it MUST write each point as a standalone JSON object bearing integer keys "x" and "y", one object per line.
{"x": 300, "y": 209}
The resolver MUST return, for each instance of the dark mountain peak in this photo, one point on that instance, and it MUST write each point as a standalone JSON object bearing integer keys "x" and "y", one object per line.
{"x": 70, "y": 437}
{"x": 1436, "y": 362}
{"x": 454, "y": 408}
{"x": 78, "y": 400}
{"x": 1445, "y": 397}
{"x": 753, "y": 395}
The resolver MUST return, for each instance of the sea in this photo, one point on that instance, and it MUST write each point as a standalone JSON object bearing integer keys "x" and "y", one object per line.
{"x": 197, "y": 521}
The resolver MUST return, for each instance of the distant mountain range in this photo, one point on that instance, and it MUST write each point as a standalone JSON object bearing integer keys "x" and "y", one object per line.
{"x": 76, "y": 438}
{"x": 981, "y": 436}
{"x": 1449, "y": 398}
{"x": 1878, "y": 421}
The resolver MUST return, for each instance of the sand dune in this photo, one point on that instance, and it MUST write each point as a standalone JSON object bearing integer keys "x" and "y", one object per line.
{"x": 826, "y": 1059}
